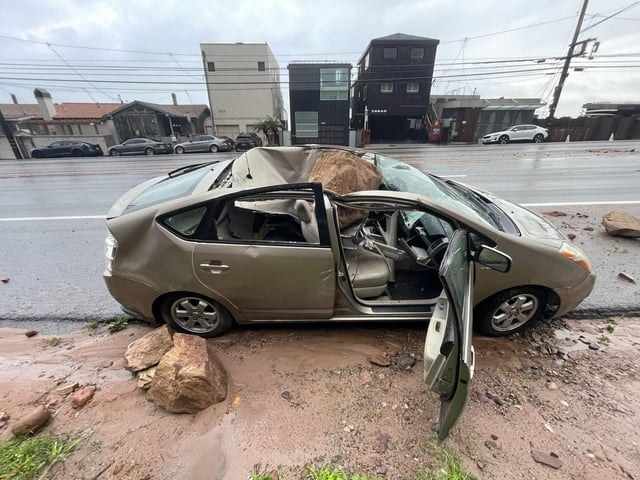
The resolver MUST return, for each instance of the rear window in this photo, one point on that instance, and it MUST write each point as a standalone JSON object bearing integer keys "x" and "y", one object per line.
{"x": 169, "y": 189}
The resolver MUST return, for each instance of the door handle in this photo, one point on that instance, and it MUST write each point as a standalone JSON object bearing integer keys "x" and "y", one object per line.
{"x": 214, "y": 267}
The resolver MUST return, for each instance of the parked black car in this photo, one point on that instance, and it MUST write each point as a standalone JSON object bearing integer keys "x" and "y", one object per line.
{"x": 139, "y": 146}
{"x": 68, "y": 148}
{"x": 246, "y": 141}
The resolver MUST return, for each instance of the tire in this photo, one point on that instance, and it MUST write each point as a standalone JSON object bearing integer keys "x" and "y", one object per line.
{"x": 196, "y": 315}
{"x": 149, "y": 151}
{"x": 510, "y": 311}
{"x": 77, "y": 153}
{"x": 37, "y": 154}
{"x": 179, "y": 150}
{"x": 213, "y": 149}
{"x": 114, "y": 153}
{"x": 503, "y": 140}
{"x": 538, "y": 138}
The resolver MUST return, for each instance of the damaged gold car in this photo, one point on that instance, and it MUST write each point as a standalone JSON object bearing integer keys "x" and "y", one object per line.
{"x": 296, "y": 234}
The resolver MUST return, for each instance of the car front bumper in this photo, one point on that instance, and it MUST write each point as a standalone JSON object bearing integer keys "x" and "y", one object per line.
{"x": 570, "y": 297}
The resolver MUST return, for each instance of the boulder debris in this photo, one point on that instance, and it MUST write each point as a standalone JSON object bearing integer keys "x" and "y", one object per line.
{"x": 148, "y": 350}
{"x": 82, "y": 396}
{"x": 621, "y": 224}
{"x": 32, "y": 421}
{"x": 189, "y": 377}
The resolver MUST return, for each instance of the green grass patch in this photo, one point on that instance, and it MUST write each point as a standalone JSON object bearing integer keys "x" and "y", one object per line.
{"x": 27, "y": 458}
{"x": 91, "y": 326}
{"x": 448, "y": 466}
{"x": 116, "y": 325}
{"x": 54, "y": 341}
{"x": 328, "y": 472}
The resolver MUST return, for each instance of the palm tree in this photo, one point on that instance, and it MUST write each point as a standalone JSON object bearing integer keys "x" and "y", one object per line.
{"x": 270, "y": 127}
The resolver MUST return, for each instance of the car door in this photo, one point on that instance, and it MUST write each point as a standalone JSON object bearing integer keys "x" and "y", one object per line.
{"x": 449, "y": 358}
{"x": 195, "y": 144}
{"x": 259, "y": 262}
{"x": 54, "y": 150}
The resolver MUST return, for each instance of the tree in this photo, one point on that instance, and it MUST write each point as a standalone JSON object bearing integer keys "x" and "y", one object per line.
{"x": 270, "y": 127}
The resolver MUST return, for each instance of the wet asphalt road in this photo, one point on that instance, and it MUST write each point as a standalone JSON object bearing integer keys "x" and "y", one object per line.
{"x": 52, "y": 218}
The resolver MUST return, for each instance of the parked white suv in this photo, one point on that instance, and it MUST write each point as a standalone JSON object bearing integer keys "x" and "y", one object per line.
{"x": 518, "y": 133}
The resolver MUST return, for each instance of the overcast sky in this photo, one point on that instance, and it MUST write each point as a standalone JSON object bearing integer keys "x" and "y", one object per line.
{"x": 80, "y": 50}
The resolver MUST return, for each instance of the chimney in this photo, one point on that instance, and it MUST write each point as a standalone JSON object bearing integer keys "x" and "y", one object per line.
{"x": 174, "y": 98}
{"x": 45, "y": 103}
{"x": 14, "y": 99}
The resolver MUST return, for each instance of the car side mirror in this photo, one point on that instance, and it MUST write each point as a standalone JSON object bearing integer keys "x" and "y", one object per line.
{"x": 493, "y": 259}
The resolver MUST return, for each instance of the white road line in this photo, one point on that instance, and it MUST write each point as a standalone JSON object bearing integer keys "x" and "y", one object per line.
{"x": 40, "y": 219}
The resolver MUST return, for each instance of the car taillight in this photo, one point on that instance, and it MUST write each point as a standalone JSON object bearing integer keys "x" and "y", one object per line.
{"x": 110, "y": 248}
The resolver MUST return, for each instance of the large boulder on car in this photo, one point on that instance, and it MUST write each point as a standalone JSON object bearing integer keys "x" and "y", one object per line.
{"x": 343, "y": 172}
{"x": 148, "y": 350}
{"x": 621, "y": 224}
{"x": 189, "y": 377}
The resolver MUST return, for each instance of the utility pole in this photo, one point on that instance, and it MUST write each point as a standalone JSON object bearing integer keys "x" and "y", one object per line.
{"x": 567, "y": 61}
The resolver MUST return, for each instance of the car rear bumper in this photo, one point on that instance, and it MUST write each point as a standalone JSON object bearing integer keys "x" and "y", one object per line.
{"x": 123, "y": 289}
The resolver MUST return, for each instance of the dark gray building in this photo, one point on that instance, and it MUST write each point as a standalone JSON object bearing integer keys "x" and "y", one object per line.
{"x": 319, "y": 102}
{"x": 391, "y": 94}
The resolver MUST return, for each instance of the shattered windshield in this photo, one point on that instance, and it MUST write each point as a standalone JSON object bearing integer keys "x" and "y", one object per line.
{"x": 401, "y": 177}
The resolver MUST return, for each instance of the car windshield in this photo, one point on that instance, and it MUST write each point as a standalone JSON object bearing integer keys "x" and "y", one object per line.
{"x": 176, "y": 186}
{"x": 402, "y": 177}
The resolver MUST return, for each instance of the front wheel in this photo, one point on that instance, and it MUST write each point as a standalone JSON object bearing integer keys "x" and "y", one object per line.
{"x": 509, "y": 311}
{"x": 114, "y": 153}
{"x": 197, "y": 315}
{"x": 538, "y": 138}
{"x": 213, "y": 148}
{"x": 503, "y": 139}
{"x": 179, "y": 150}
{"x": 149, "y": 151}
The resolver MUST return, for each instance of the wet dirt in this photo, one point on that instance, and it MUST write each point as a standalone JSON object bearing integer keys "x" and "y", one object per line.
{"x": 312, "y": 394}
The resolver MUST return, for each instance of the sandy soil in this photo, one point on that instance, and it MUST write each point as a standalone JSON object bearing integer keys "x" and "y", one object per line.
{"x": 300, "y": 395}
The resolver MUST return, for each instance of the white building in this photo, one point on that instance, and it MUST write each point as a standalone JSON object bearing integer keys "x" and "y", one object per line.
{"x": 243, "y": 84}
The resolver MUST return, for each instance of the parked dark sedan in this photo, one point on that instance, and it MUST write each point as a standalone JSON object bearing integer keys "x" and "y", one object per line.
{"x": 247, "y": 141}
{"x": 68, "y": 148}
{"x": 139, "y": 146}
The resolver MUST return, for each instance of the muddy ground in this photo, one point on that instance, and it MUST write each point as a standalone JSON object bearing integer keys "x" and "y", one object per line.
{"x": 569, "y": 389}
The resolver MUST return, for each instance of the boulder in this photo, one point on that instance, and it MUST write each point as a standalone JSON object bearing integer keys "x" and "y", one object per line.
{"x": 343, "y": 172}
{"x": 148, "y": 350}
{"x": 82, "y": 396}
{"x": 32, "y": 421}
{"x": 621, "y": 224}
{"x": 189, "y": 377}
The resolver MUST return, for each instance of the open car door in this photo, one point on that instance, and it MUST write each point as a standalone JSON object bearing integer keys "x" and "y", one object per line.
{"x": 448, "y": 352}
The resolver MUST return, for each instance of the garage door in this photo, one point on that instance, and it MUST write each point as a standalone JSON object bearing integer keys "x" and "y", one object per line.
{"x": 228, "y": 130}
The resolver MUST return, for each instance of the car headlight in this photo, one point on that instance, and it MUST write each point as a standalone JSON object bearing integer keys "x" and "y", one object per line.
{"x": 110, "y": 248}
{"x": 573, "y": 253}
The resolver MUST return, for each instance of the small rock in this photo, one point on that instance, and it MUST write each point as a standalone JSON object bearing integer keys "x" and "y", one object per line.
{"x": 491, "y": 445}
{"x": 494, "y": 436}
{"x": 588, "y": 229}
{"x": 564, "y": 403}
{"x": 30, "y": 333}
{"x": 627, "y": 277}
{"x": 552, "y": 386}
{"x": 286, "y": 395}
{"x": 548, "y": 427}
{"x": 406, "y": 361}
{"x": 380, "y": 360}
{"x": 594, "y": 346}
{"x": 66, "y": 389}
{"x": 145, "y": 377}
{"x": 31, "y": 422}
{"x": 4, "y": 279}
{"x": 550, "y": 460}
{"x": 365, "y": 376}
{"x": 571, "y": 236}
{"x": 82, "y": 396}
{"x": 590, "y": 456}
{"x": 381, "y": 442}
{"x": 4, "y": 419}
{"x": 555, "y": 213}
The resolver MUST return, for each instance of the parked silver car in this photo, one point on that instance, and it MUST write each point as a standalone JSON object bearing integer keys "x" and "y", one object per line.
{"x": 518, "y": 133}
{"x": 203, "y": 143}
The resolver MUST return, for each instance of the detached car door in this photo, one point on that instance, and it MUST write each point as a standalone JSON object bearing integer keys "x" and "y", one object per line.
{"x": 448, "y": 353}
{"x": 261, "y": 261}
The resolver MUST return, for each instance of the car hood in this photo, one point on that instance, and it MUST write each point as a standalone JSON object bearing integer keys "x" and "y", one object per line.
{"x": 529, "y": 223}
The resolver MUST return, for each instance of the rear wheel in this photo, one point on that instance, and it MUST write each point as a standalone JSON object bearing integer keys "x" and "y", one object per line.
{"x": 195, "y": 314}
{"x": 538, "y": 138}
{"x": 149, "y": 151}
{"x": 213, "y": 148}
{"x": 503, "y": 139}
{"x": 510, "y": 311}
{"x": 179, "y": 150}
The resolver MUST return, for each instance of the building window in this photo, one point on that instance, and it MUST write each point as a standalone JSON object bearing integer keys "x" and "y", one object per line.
{"x": 366, "y": 62}
{"x": 386, "y": 88}
{"x": 364, "y": 92}
{"x": 211, "y": 66}
{"x": 413, "y": 87}
{"x": 306, "y": 124}
{"x": 334, "y": 84}
{"x": 417, "y": 53}
{"x": 261, "y": 66}
{"x": 390, "y": 53}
